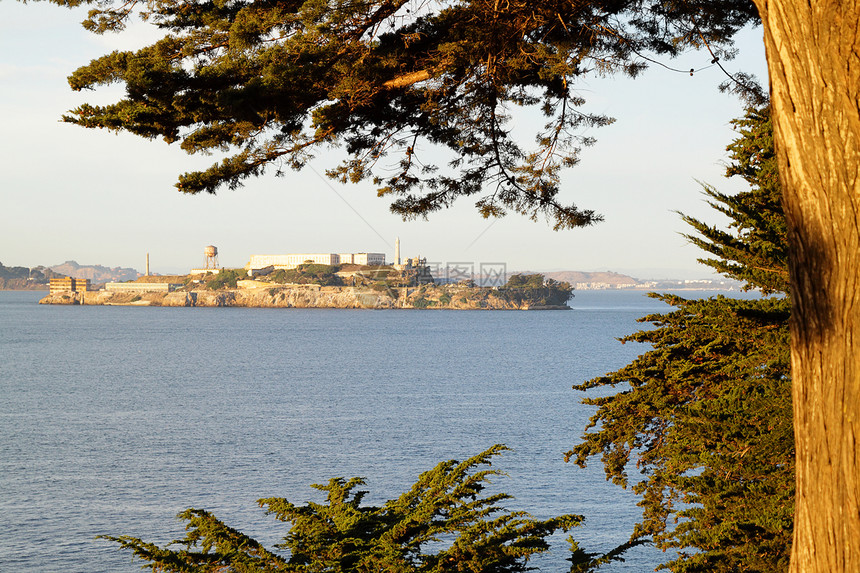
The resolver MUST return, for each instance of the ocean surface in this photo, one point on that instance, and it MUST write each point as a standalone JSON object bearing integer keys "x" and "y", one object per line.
{"x": 114, "y": 419}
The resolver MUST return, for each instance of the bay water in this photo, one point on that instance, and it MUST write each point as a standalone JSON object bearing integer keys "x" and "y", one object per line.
{"x": 114, "y": 419}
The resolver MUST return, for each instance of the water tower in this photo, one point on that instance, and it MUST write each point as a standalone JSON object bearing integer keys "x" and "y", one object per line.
{"x": 210, "y": 260}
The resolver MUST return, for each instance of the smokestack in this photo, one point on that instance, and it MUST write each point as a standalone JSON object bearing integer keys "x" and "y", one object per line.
{"x": 397, "y": 251}
{"x": 147, "y": 264}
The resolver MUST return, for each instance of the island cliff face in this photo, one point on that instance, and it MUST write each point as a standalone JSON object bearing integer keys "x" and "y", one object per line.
{"x": 312, "y": 296}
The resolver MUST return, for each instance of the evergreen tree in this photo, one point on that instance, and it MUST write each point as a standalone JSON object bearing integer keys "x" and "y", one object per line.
{"x": 444, "y": 523}
{"x": 536, "y": 290}
{"x": 757, "y": 253}
{"x": 706, "y": 415}
{"x": 397, "y": 83}
{"x": 272, "y": 81}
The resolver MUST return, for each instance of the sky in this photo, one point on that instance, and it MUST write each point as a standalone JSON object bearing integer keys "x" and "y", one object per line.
{"x": 68, "y": 193}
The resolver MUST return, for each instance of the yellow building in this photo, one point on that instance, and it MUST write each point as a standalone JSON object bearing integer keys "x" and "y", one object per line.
{"x": 69, "y": 284}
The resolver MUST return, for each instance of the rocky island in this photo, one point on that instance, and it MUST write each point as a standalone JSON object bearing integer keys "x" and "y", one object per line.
{"x": 323, "y": 286}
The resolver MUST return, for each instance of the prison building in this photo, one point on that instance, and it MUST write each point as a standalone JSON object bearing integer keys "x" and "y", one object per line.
{"x": 369, "y": 259}
{"x": 362, "y": 258}
{"x": 292, "y": 261}
{"x": 69, "y": 284}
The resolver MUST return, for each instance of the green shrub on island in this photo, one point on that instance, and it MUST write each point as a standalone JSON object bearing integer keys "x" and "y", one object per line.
{"x": 308, "y": 273}
{"x": 226, "y": 278}
{"x": 314, "y": 269}
{"x": 536, "y": 290}
{"x": 422, "y": 302}
{"x": 444, "y": 523}
{"x": 278, "y": 276}
{"x": 534, "y": 281}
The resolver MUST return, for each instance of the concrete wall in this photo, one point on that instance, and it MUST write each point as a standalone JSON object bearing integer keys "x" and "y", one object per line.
{"x": 140, "y": 287}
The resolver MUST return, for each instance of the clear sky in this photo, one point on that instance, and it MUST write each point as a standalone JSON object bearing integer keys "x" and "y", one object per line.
{"x": 68, "y": 193}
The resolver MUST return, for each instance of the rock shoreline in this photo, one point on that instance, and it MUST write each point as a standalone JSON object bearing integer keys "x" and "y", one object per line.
{"x": 309, "y": 296}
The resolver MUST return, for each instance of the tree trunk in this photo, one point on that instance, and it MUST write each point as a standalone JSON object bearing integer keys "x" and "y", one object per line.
{"x": 813, "y": 55}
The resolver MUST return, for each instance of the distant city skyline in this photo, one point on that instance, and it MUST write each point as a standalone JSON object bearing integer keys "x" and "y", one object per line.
{"x": 101, "y": 198}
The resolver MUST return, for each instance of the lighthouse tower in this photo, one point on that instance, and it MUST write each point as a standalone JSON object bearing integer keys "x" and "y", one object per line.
{"x": 397, "y": 251}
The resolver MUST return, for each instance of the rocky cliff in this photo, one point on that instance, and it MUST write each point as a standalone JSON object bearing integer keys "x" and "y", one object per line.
{"x": 308, "y": 296}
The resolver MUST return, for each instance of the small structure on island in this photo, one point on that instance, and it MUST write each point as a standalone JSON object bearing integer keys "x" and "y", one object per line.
{"x": 210, "y": 261}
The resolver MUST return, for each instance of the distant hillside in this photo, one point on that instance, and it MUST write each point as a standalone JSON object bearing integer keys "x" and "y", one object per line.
{"x": 96, "y": 273}
{"x": 24, "y": 278}
{"x": 582, "y": 280}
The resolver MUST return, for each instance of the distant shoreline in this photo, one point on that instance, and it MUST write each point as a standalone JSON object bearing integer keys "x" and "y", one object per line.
{"x": 426, "y": 297}
{"x": 44, "y": 288}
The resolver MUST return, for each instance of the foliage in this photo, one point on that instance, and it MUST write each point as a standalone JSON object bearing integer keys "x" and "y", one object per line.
{"x": 308, "y": 273}
{"x": 226, "y": 278}
{"x": 444, "y": 523}
{"x": 13, "y": 278}
{"x": 706, "y": 414}
{"x": 525, "y": 281}
{"x": 707, "y": 417}
{"x": 14, "y": 272}
{"x": 535, "y": 290}
{"x": 377, "y": 273}
{"x": 758, "y": 253}
{"x": 396, "y": 83}
{"x": 278, "y": 276}
{"x": 422, "y": 303}
{"x": 317, "y": 270}
{"x": 319, "y": 274}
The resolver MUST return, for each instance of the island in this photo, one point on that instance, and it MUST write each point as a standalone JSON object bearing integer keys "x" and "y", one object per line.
{"x": 319, "y": 286}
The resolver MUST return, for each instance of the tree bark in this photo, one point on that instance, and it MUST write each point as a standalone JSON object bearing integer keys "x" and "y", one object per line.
{"x": 813, "y": 55}
{"x": 407, "y": 79}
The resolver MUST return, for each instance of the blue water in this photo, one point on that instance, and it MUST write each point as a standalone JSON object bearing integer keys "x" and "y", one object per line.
{"x": 114, "y": 419}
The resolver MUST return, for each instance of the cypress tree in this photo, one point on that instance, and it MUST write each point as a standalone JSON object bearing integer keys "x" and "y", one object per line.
{"x": 446, "y": 522}
{"x": 705, "y": 415}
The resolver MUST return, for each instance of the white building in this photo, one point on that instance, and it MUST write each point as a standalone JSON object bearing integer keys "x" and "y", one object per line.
{"x": 368, "y": 258}
{"x": 291, "y": 261}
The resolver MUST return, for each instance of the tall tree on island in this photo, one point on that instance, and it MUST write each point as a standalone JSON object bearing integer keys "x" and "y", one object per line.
{"x": 276, "y": 80}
